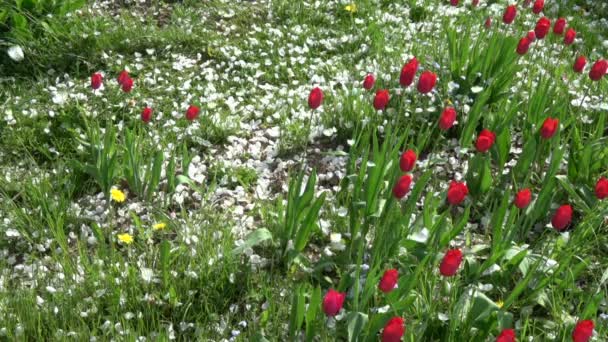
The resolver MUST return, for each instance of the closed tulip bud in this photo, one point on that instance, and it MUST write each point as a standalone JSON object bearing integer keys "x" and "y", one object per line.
{"x": 507, "y": 335}
{"x": 393, "y": 330}
{"x": 389, "y": 280}
{"x": 192, "y": 113}
{"x": 531, "y": 36}
{"x": 402, "y": 187}
{"x": 426, "y": 82}
{"x": 510, "y": 14}
{"x": 523, "y": 198}
{"x": 523, "y": 46}
{"x": 315, "y": 98}
{"x": 474, "y": 3}
{"x": 601, "y": 188}
{"x": 457, "y": 192}
{"x": 549, "y": 128}
{"x": 598, "y": 70}
{"x": 146, "y": 114}
{"x": 127, "y": 85}
{"x": 538, "y": 6}
{"x": 368, "y": 82}
{"x": 485, "y": 140}
{"x": 122, "y": 77}
{"x": 447, "y": 118}
{"x": 408, "y": 160}
{"x": 570, "y": 36}
{"x": 450, "y": 263}
{"x": 96, "y": 80}
{"x": 583, "y": 331}
{"x": 408, "y": 72}
{"x": 579, "y": 64}
{"x": 381, "y": 99}
{"x": 454, "y": 2}
{"x": 542, "y": 27}
{"x": 333, "y": 302}
{"x": 562, "y": 217}
{"x": 488, "y": 22}
{"x": 559, "y": 26}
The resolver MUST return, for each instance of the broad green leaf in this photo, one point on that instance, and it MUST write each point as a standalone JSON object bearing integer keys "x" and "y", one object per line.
{"x": 253, "y": 239}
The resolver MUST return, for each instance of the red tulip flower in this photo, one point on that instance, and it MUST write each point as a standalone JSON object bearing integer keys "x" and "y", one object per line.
{"x": 127, "y": 85}
{"x": 583, "y": 331}
{"x": 447, "y": 118}
{"x": 598, "y": 70}
{"x": 389, "y": 280}
{"x": 485, "y": 140}
{"x": 333, "y": 302}
{"x": 523, "y": 46}
{"x": 457, "y": 192}
{"x": 192, "y": 112}
{"x": 96, "y": 80}
{"x": 315, "y": 98}
{"x": 559, "y": 26}
{"x": 474, "y": 3}
{"x": 454, "y": 2}
{"x": 368, "y": 82}
{"x": 579, "y": 64}
{"x": 538, "y": 6}
{"x": 507, "y": 335}
{"x": 549, "y": 128}
{"x": 426, "y": 82}
{"x": 562, "y": 217}
{"x": 381, "y": 99}
{"x": 393, "y": 330}
{"x": 601, "y": 188}
{"x": 408, "y": 160}
{"x": 146, "y": 114}
{"x": 402, "y": 187}
{"x": 488, "y": 22}
{"x": 542, "y": 27}
{"x": 531, "y": 36}
{"x": 523, "y": 198}
{"x": 408, "y": 72}
{"x": 450, "y": 263}
{"x": 570, "y": 36}
{"x": 510, "y": 14}
{"x": 122, "y": 77}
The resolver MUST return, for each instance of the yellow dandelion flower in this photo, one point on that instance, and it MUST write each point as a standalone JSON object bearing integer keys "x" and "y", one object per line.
{"x": 117, "y": 195}
{"x": 500, "y": 303}
{"x": 159, "y": 226}
{"x": 352, "y": 8}
{"x": 125, "y": 238}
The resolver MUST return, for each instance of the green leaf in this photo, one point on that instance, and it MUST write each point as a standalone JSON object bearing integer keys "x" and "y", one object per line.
{"x": 165, "y": 254}
{"x": 356, "y": 322}
{"x": 297, "y": 312}
{"x": 311, "y": 314}
{"x": 253, "y": 239}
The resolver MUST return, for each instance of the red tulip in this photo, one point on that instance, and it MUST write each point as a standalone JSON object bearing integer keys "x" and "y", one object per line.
{"x": 408, "y": 160}
{"x": 315, "y": 98}
{"x": 450, "y": 263}
{"x": 381, "y": 99}
{"x": 583, "y": 331}
{"x": 538, "y": 6}
{"x": 332, "y": 302}
{"x": 488, "y": 22}
{"x": 408, "y": 72}
{"x": 523, "y": 198}
{"x": 457, "y": 192}
{"x": 454, "y": 2}
{"x": 389, "y": 280}
{"x": 146, "y": 114}
{"x": 598, "y": 70}
{"x": 601, "y": 188}
{"x": 96, "y": 80}
{"x": 127, "y": 84}
{"x": 447, "y": 118}
{"x": 510, "y": 14}
{"x": 542, "y": 27}
{"x": 426, "y": 82}
{"x": 549, "y": 128}
{"x": 122, "y": 77}
{"x": 474, "y": 3}
{"x": 579, "y": 64}
{"x": 393, "y": 330}
{"x": 523, "y": 46}
{"x": 562, "y": 217}
{"x": 570, "y": 36}
{"x": 507, "y": 335}
{"x": 531, "y": 36}
{"x": 368, "y": 82}
{"x": 559, "y": 26}
{"x": 402, "y": 187}
{"x": 485, "y": 140}
{"x": 192, "y": 112}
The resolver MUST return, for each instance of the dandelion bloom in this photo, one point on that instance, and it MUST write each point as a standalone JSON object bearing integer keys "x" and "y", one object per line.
{"x": 542, "y": 27}
{"x": 146, "y": 114}
{"x": 523, "y": 46}
{"x": 507, "y": 335}
{"x": 381, "y": 99}
{"x": 457, "y": 192}
{"x": 352, "y": 8}
{"x": 408, "y": 72}
{"x": 389, "y": 280}
{"x": 562, "y": 217}
{"x": 569, "y": 36}
{"x": 549, "y": 127}
{"x": 159, "y": 226}
{"x": 122, "y": 77}
{"x": 583, "y": 331}
{"x": 315, "y": 98}
{"x": 368, "y": 82}
{"x": 601, "y": 188}
{"x": 402, "y": 187}
{"x": 426, "y": 82}
{"x": 447, "y": 118}
{"x": 485, "y": 140}
{"x": 393, "y": 330}
{"x": 192, "y": 112}
{"x": 127, "y": 85}
{"x": 510, "y": 14}
{"x": 559, "y": 26}
{"x": 117, "y": 195}
{"x": 96, "y": 80}
{"x": 579, "y": 64}
{"x": 408, "y": 160}
{"x": 538, "y": 6}
{"x": 450, "y": 263}
{"x": 523, "y": 198}
{"x": 125, "y": 238}
{"x": 333, "y": 302}
{"x": 598, "y": 70}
